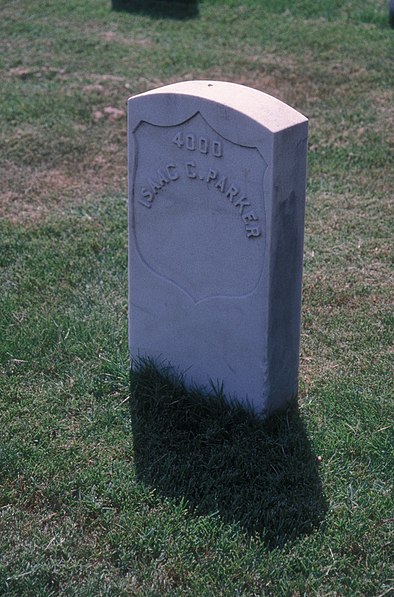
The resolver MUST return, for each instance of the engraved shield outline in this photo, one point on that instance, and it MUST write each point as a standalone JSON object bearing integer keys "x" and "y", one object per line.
{"x": 133, "y": 201}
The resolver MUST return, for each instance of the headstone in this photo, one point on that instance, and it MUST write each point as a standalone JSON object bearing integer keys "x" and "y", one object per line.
{"x": 390, "y": 4}
{"x": 216, "y": 218}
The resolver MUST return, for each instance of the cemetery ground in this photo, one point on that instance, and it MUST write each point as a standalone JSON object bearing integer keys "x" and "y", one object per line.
{"x": 179, "y": 495}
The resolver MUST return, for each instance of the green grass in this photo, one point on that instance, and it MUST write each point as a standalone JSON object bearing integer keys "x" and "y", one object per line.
{"x": 179, "y": 494}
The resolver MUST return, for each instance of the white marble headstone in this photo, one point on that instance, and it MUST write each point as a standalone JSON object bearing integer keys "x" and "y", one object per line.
{"x": 216, "y": 219}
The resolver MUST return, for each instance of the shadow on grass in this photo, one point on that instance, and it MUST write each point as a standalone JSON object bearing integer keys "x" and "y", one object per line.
{"x": 223, "y": 459}
{"x": 161, "y": 9}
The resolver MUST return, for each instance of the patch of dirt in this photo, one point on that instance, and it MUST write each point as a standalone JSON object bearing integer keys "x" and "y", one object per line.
{"x": 29, "y": 194}
{"x": 121, "y": 38}
{"x": 107, "y": 77}
{"x": 23, "y": 72}
{"x": 40, "y": 173}
{"x": 94, "y": 88}
{"x": 109, "y": 35}
{"x": 281, "y": 78}
{"x": 114, "y": 114}
{"x": 383, "y": 103}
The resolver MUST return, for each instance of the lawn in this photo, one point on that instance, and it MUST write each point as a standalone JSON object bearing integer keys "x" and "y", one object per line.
{"x": 142, "y": 488}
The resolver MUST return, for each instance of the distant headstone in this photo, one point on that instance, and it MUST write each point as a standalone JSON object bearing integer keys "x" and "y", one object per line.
{"x": 391, "y": 12}
{"x": 216, "y": 220}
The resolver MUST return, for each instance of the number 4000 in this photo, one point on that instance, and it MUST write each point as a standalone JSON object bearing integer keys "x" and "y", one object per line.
{"x": 194, "y": 142}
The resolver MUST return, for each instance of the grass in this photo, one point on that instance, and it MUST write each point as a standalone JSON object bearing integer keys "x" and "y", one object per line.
{"x": 181, "y": 495}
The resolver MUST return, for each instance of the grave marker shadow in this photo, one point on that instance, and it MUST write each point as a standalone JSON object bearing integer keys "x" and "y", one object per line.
{"x": 160, "y": 9}
{"x": 222, "y": 459}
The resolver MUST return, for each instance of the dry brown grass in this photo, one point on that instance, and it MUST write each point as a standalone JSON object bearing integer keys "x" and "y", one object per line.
{"x": 31, "y": 187}
{"x": 37, "y": 177}
{"x": 31, "y": 193}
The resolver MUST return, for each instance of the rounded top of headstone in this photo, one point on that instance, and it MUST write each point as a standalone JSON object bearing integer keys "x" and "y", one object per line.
{"x": 266, "y": 110}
